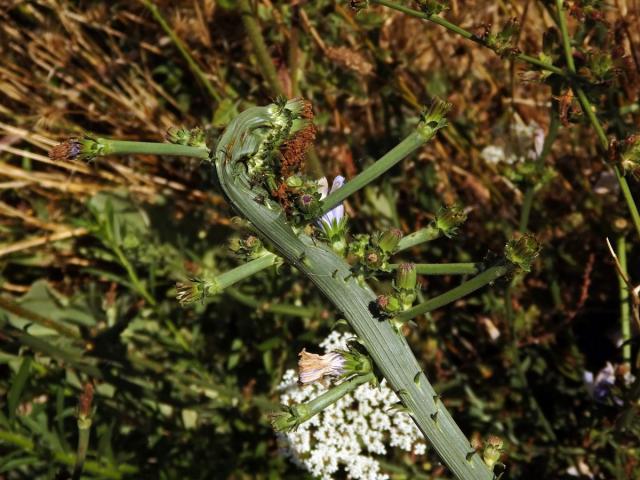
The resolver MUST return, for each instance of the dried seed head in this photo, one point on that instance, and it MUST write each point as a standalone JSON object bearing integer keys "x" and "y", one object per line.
{"x": 312, "y": 367}
{"x": 68, "y": 150}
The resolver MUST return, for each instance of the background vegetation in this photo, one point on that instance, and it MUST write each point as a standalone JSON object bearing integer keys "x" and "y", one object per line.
{"x": 90, "y": 252}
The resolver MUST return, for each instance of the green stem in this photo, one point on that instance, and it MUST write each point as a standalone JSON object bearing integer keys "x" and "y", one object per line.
{"x": 625, "y": 317}
{"x": 413, "y": 141}
{"x": 466, "y": 34}
{"x": 69, "y": 459}
{"x": 265, "y": 62}
{"x": 225, "y": 280}
{"x": 124, "y": 147}
{"x": 426, "y": 234}
{"x": 454, "y": 294}
{"x": 276, "y": 308}
{"x": 84, "y": 432}
{"x": 444, "y": 268}
{"x": 193, "y": 66}
{"x": 334, "y": 394}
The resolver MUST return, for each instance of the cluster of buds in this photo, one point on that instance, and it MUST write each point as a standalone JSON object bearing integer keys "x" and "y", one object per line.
{"x": 338, "y": 364}
{"x": 248, "y": 248}
{"x": 85, "y": 148}
{"x": 405, "y": 288}
{"x": 588, "y": 10}
{"x": 373, "y": 252}
{"x": 522, "y": 252}
{"x": 194, "y": 137}
{"x": 503, "y": 42}
{"x": 432, "y": 7}
{"x": 449, "y": 219}
{"x": 601, "y": 66}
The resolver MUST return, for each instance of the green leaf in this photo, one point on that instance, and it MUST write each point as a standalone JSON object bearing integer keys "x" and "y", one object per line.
{"x": 17, "y": 386}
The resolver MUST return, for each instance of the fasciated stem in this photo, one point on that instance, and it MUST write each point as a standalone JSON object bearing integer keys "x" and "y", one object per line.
{"x": 477, "y": 282}
{"x": 426, "y": 234}
{"x": 443, "y": 268}
{"x": 466, "y": 34}
{"x": 334, "y": 277}
{"x": 193, "y": 65}
{"x": 410, "y": 144}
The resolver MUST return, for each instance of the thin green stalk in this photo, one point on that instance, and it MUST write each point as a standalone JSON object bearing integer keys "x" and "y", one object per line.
{"x": 84, "y": 432}
{"x": 410, "y": 144}
{"x": 588, "y": 110}
{"x": 193, "y": 65}
{"x": 69, "y": 459}
{"x": 535, "y": 406}
{"x": 221, "y": 282}
{"x": 276, "y": 308}
{"x": 466, "y": 34}
{"x": 457, "y": 293}
{"x": 444, "y": 268}
{"x": 124, "y": 147}
{"x": 625, "y": 316}
{"x": 265, "y": 62}
{"x": 426, "y": 234}
{"x": 332, "y": 395}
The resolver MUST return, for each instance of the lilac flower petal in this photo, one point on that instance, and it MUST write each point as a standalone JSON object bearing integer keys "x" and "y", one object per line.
{"x": 337, "y": 183}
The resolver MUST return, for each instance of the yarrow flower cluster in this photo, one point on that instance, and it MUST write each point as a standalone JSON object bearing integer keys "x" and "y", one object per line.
{"x": 526, "y": 143}
{"x": 347, "y": 436}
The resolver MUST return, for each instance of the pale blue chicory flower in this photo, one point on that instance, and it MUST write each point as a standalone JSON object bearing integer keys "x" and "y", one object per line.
{"x": 334, "y": 216}
{"x": 600, "y": 386}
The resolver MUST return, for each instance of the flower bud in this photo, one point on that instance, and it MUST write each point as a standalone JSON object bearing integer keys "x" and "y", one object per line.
{"x": 523, "y": 251}
{"x": 433, "y": 119}
{"x": 630, "y": 156}
{"x": 388, "y": 304}
{"x": 388, "y": 241}
{"x": 183, "y": 136}
{"x": 289, "y": 417}
{"x": 307, "y": 202}
{"x": 406, "y": 276}
{"x": 373, "y": 259}
{"x": 492, "y": 451}
{"x": 449, "y": 220}
{"x": 190, "y": 292}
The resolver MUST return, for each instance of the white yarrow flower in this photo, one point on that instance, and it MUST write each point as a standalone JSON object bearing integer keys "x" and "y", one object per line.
{"x": 345, "y": 438}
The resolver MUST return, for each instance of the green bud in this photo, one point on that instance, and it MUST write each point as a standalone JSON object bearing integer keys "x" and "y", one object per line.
{"x": 307, "y": 202}
{"x": 504, "y": 43}
{"x": 523, "y": 251}
{"x": 449, "y": 220}
{"x": 492, "y": 451}
{"x": 355, "y": 362}
{"x": 183, "y": 136}
{"x": 289, "y": 417}
{"x": 373, "y": 259}
{"x": 358, "y": 245}
{"x": 388, "y": 304}
{"x": 433, "y": 118}
{"x": 406, "y": 277}
{"x": 295, "y": 182}
{"x": 388, "y": 241}
{"x": 190, "y": 292}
